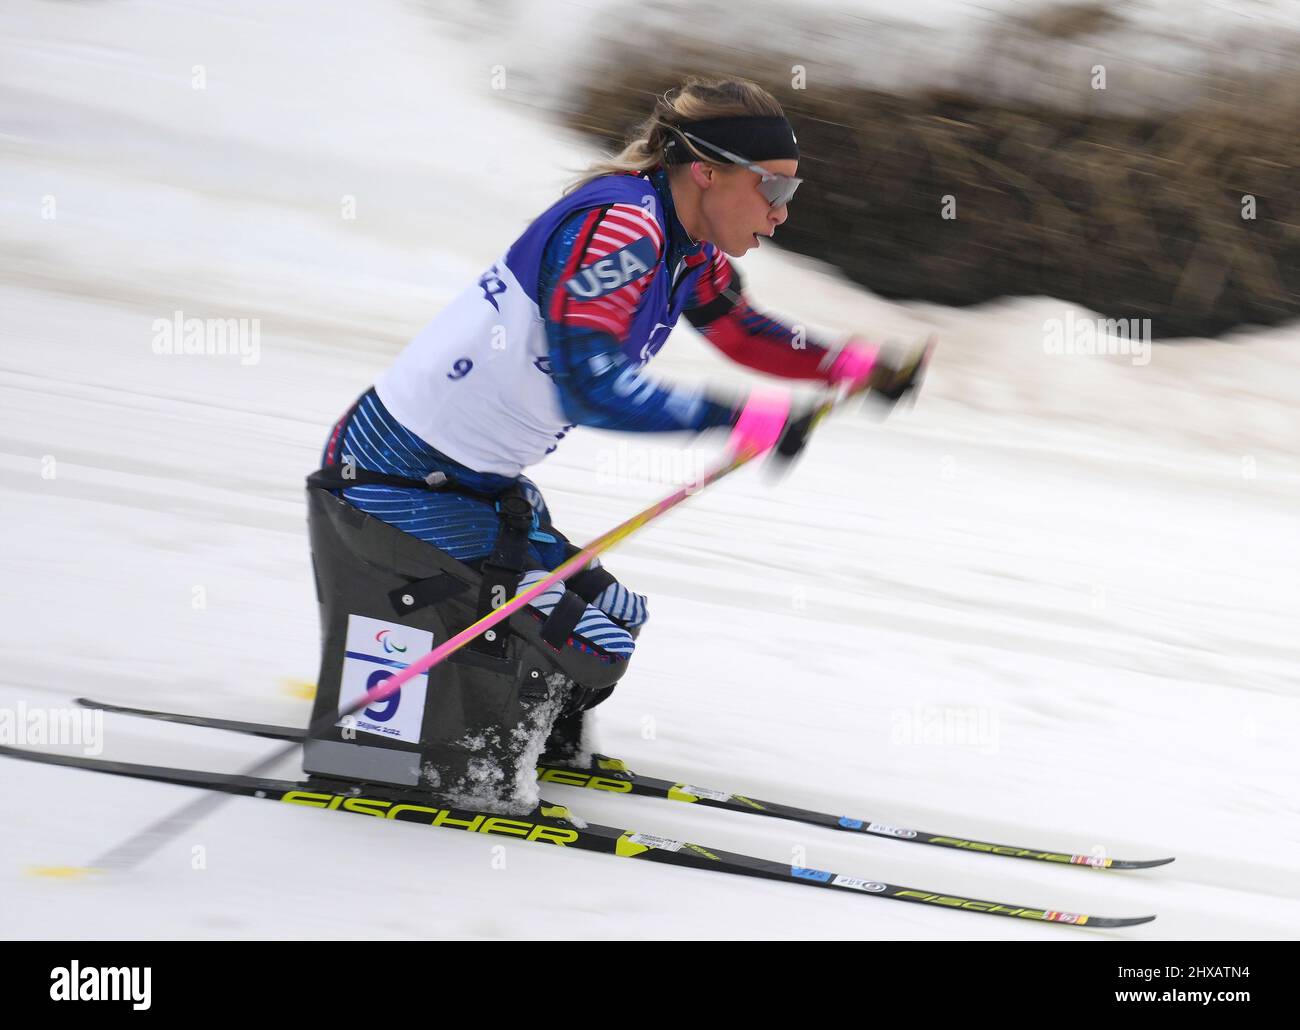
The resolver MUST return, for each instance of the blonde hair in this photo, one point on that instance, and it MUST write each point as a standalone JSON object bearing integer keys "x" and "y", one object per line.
{"x": 696, "y": 98}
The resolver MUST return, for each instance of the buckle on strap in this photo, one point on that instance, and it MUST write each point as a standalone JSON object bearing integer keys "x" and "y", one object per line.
{"x": 513, "y": 507}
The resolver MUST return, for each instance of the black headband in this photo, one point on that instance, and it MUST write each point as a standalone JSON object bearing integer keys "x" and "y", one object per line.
{"x": 754, "y": 137}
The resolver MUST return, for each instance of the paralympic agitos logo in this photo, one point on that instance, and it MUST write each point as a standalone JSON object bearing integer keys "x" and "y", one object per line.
{"x": 390, "y": 646}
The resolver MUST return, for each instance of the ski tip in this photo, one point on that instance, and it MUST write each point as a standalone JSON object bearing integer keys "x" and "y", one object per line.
{"x": 1104, "y": 921}
{"x": 62, "y": 872}
{"x": 1150, "y": 863}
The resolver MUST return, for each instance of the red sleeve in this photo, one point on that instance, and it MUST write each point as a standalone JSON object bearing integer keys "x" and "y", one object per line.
{"x": 720, "y": 310}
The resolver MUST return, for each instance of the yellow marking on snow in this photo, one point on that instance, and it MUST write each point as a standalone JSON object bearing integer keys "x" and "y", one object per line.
{"x": 304, "y": 689}
{"x": 62, "y": 872}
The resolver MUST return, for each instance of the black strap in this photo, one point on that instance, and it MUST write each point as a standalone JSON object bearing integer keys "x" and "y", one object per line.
{"x": 421, "y": 593}
{"x": 590, "y": 583}
{"x": 559, "y": 625}
{"x": 340, "y": 477}
{"x": 502, "y": 568}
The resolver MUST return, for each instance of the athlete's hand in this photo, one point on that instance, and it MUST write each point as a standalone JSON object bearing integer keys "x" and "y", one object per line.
{"x": 770, "y": 421}
{"x": 854, "y": 363}
{"x": 890, "y": 382}
{"x": 859, "y": 364}
{"x": 761, "y": 422}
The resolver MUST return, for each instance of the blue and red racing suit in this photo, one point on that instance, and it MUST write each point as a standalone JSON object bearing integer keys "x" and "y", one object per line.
{"x": 556, "y": 334}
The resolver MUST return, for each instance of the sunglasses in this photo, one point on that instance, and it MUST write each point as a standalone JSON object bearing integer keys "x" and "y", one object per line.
{"x": 777, "y": 189}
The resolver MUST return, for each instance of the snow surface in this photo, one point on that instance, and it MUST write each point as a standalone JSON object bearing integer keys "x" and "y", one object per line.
{"x": 1054, "y": 604}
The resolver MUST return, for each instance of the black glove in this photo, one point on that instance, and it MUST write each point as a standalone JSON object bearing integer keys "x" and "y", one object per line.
{"x": 794, "y": 437}
{"x": 891, "y": 383}
{"x": 887, "y": 383}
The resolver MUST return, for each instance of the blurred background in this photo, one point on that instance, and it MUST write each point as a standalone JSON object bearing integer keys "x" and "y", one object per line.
{"x": 1099, "y": 152}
